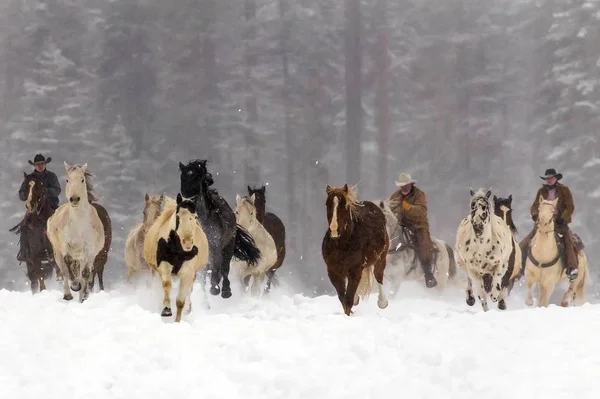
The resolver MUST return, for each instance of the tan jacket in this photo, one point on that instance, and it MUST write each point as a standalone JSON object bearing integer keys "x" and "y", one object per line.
{"x": 416, "y": 217}
{"x": 565, "y": 204}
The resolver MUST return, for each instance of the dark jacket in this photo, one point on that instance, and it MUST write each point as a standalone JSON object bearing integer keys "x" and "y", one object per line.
{"x": 50, "y": 181}
{"x": 565, "y": 204}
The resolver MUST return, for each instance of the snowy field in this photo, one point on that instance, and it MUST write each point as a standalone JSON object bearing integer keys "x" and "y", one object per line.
{"x": 424, "y": 345}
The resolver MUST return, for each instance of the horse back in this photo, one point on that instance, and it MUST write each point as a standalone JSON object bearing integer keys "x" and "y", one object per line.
{"x": 106, "y": 224}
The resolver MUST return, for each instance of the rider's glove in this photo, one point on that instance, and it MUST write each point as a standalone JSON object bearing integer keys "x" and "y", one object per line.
{"x": 406, "y": 206}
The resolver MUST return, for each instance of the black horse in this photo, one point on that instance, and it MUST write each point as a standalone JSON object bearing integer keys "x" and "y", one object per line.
{"x": 226, "y": 239}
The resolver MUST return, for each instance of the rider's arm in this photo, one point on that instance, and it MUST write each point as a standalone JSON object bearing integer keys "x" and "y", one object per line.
{"x": 534, "y": 207}
{"x": 54, "y": 186}
{"x": 418, "y": 209}
{"x": 569, "y": 205}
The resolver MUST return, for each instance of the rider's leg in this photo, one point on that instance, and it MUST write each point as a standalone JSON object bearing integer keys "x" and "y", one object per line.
{"x": 567, "y": 239}
{"x": 425, "y": 254}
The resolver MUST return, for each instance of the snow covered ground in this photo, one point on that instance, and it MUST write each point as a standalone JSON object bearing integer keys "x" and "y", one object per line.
{"x": 423, "y": 345}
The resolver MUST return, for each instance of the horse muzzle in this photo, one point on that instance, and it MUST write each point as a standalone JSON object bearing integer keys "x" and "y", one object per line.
{"x": 334, "y": 233}
{"x": 187, "y": 245}
{"x": 74, "y": 201}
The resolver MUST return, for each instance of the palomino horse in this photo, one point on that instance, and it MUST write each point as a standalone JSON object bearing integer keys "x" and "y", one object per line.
{"x": 176, "y": 245}
{"x": 503, "y": 209}
{"x": 483, "y": 247}
{"x": 544, "y": 264}
{"x": 274, "y": 227}
{"x": 354, "y": 247}
{"x": 245, "y": 213}
{"x": 226, "y": 239}
{"x": 32, "y": 233}
{"x": 134, "y": 246}
{"x": 76, "y": 233}
{"x": 403, "y": 257}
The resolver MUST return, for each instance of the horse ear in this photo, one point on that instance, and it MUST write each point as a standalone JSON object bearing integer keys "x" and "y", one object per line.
{"x": 203, "y": 162}
{"x": 510, "y": 199}
{"x": 328, "y": 189}
{"x": 495, "y": 198}
{"x": 253, "y": 198}
{"x": 541, "y": 200}
{"x": 181, "y": 166}
{"x": 249, "y": 190}
{"x": 471, "y": 192}
{"x": 489, "y": 192}
{"x": 146, "y": 197}
{"x": 162, "y": 198}
{"x": 84, "y": 167}
{"x": 238, "y": 199}
{"x": 24, "y": 175}
{"x": 179, "y": 198}
{"x": 346, "y": 187}
{"x": 67, "y": 166}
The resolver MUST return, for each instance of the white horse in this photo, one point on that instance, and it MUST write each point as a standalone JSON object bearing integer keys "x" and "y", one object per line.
{"x": 483, "y": 249}
{"x": 402, "y": 261}
{"x": 548, "y": 269}
{"x": 245, "y": 213}
{"x": 76, "y": 233}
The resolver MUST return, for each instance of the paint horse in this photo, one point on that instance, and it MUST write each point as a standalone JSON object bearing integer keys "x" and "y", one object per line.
{"x": 176, "y": 245}
{"x": 503, "y": 209}
{"x": 134, "y": 245}
{"x": 246, "y": 215}
{"x": 274, "y": 227}
{"x": 32, "y": 234}
{"x": 226, "y": 239}
{"x": 483, "y": 248}
{"x": 354, "y": 247}
{"x": 545, "y": 262}
{"x": 402, "y": 260}
{"x": 76, "y": 233}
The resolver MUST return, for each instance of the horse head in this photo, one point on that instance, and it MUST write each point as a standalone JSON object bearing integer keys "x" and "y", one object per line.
{"x": 481, "y": 206}
{"x": 546, "y": 214}
{"x": 185, "y": 222}
{"x": 194, "y": 177}
{"x": 245, "y": 210}
{"x": 341, "y": 206}
{"x": 77, "y": 189}
{"x": 152, "y": 208}
{"x": 37, "y": 194}
{"x": 503, "y": 209}
{"x": 260, "y": 200}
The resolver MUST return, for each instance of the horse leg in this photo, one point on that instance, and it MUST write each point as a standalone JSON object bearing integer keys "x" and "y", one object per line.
{"x": 378, "y": 272}
{"x": 481, "y": 294}
{"x": 63, "y": 268}
{"x": 86, "y": 276}
{"x": 469, "y": 291}
{"x": 270, "y": 274}
{"x": 164, "y": 270}
{"x": 186, "y": 282}
{"x": 215, "y": 269}
{"x": 32, "y": 275}
{"x": 354, "y": 276}
{"x": 257, "y": 284}
{"x": 226, "y": 256}
{"x": 203, "y": 285}
{"x": 546, "y": 289}
{"x": 339, "y": 283}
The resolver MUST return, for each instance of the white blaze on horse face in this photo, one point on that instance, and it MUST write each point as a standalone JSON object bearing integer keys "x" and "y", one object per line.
{"x": 30, "y": 197}
{"x": 505, "y": 210}
{"x": 333, "y": 226}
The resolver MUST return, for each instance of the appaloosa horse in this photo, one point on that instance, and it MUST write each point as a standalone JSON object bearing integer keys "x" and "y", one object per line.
{"x": 32, "y": 233}
{"x": 354, "y": 247}
{"x": 274, "y": 227}
{"x": 503, "y": 209}
{"x": 483, "y": 247}
{"x": 226, "y": 239}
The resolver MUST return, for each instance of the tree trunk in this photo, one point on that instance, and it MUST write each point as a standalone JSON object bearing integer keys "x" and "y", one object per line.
{"x": 252, "y": 157}
{"x": 353, "y": 68}
{"x": 382, "y": 102}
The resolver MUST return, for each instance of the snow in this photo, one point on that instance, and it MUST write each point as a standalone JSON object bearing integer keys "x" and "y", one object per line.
{"x": 424, "y": 345}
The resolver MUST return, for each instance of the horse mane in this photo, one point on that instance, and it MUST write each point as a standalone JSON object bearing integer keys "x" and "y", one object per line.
{"x": 153, "y": 234}
{"x": 349, "y": 194}
{"x": 89, "y": 184}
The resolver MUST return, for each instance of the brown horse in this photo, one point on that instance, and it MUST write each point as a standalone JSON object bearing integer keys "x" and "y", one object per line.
{"x": 102, "y": 256}
{"x": 32, "y": 233}
{"x": 274, "y": 227}
{"x": 354, "y": 247}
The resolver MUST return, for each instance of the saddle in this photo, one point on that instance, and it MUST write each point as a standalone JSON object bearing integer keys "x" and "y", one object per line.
{"x": 578, "y": 245}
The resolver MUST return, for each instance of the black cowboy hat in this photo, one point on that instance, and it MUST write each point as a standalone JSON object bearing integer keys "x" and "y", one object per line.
{"x": 39, "y": 158}
{"x": 551, "y": 173}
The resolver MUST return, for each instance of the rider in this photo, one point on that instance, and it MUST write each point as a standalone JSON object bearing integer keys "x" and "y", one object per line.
{"x": 562, "y": 217}
{"x": 50, "y": 181}
{"x": 411, "y": 212}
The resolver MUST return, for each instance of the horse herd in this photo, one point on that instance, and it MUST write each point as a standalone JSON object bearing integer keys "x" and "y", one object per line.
{"x": 198, "y": 233}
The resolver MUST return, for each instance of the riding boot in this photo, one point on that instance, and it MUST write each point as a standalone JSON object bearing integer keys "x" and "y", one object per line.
{"x": 430, "y": 280}
{"x": 569, "y": 248}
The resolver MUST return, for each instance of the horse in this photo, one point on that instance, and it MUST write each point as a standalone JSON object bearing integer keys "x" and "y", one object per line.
{"x": 102, "y": 257}
{"x": 274, "y": 227}
{"x": 483, "y": 248}
{"x": 226, "y": 238}
{"x": 403, "y": 253}
{"x": 32, "y": 234}
{"x": 545, "y": 262}
{"x": 503, "y": 209}
{"x": 76, "y": 233}
{"x": 176, "y": 245}
{"x": 246, "y": 216}
{"x": 354, "y": 247}
{"x": 134, "y": 245}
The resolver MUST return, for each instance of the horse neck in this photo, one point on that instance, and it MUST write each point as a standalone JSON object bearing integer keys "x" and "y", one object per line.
{"x": 544, "y": 243}
{"x": 486, "y": 232}
{"x": 260, "y": 209}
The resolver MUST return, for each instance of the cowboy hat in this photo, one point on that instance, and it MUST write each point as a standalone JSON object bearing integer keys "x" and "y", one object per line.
{"x": 39, "y": 158}
{"x": 551, "y": 173}
{"x": 404, "y": 179}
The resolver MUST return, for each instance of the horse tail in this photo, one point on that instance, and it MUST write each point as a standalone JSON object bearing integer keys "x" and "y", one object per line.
{"x": 451, "y": 262}
{"x": 245, "y": 248}
{"x": 367, "y": 279}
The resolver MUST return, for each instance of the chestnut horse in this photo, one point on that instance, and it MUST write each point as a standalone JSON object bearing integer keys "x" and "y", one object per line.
{"x": 354, "y": 247}
{"x": 274, "y": 227}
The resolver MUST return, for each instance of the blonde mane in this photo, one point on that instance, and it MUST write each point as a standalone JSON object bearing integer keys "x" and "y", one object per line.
{"x": 349, "y": 196}
{"x": 157, "y": 231}
{"x": 89, "y": 185}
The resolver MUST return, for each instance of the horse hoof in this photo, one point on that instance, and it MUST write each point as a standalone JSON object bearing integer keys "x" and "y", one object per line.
{"x": 529, "y": 302}
{"x": 76, "y": 288}
{"x": 68, "y": 297}
{"x": 215, "y": 290}
{"x": 502, "y": 305}
{"x": 564, "y": 304}
{"x": 166, "y": 312}
{"x": 382, "y": 304}
{"x": 471, "y": 301}
{"x": 225, "y": 294}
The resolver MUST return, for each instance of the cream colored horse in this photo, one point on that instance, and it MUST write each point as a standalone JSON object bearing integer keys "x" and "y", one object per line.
{"x": 76, "y": 233}
{"x": 545, "y": 251}
{"x": 245, "y": 213}
{"x": 134, "y": 246}
{"x": 176, "y": 245}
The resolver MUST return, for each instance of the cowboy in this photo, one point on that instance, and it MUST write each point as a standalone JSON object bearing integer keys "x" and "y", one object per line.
{"x": 411, "y": 212}
{"x": 50, "y": 182}
{"x": 565, "y": 207}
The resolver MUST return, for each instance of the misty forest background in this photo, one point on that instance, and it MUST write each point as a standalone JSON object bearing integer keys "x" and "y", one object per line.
{"x": 299, "y": 94}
